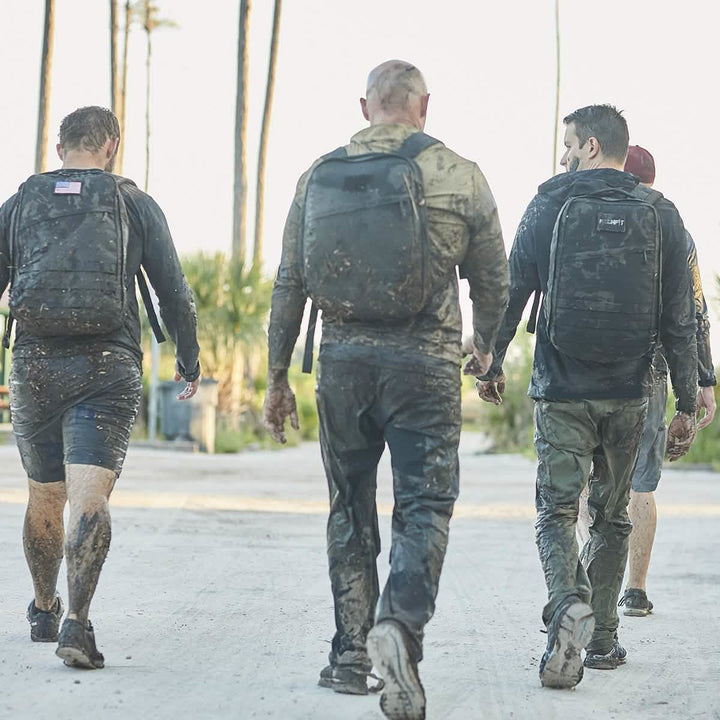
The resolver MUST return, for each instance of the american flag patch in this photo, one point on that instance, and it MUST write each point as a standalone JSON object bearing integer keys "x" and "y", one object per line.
{"x": 68, "y": 187}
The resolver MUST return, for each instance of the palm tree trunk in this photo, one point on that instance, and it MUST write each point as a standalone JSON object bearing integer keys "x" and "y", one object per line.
{"x": 44, "y": 105}
{"x": 148, "y": 63}
{"x": 122, "y": 95}
{"x": 260, "y": 193}
{"x": 114, "y": 80}
{"x": 239, "y": 236}
{"x": 557, "y": 86}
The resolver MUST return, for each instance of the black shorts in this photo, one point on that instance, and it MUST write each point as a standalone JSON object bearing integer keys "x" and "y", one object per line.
{"x": 73, "y": 410}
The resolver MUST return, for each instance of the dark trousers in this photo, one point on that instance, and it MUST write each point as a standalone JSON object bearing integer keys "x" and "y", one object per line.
{"x": 364, "y": 403}
{"x": 570, "y": 438}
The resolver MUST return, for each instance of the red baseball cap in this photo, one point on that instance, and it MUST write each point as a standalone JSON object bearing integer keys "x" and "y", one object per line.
{"x": 640, "y": 163}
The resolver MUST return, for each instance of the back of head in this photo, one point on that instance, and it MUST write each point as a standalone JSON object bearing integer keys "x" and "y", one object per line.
{"x": 606, "y": 124}
{"x": 88, "y": 129}
{"x": 392, "y": 85}
{"x": 640, "y": 163}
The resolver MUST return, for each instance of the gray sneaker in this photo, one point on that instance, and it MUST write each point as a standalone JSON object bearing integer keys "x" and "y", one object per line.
{"x": 403, "y": 697}
{"x": 569, "y": 631}
{"x": 635, "y": 603}
{"x": 44, "y": 624}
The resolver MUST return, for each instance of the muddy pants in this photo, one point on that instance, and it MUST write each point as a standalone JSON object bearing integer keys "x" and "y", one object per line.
{"x": 569, "y": 438}
{"x": 367, "y": 398}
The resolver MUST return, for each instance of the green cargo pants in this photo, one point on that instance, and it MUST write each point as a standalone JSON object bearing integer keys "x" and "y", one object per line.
{"x": 570, "y": 438}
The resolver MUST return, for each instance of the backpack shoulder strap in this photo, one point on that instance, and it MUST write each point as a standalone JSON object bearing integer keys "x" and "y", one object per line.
{"x": 340, "y": 152}
{"x": 415, "y": 144}
{"x": 647, "y": 194}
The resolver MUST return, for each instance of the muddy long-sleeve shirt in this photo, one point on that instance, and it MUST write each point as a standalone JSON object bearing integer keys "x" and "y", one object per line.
{"x": 150, "y": 245}
{"x": 464, "y": 232}
{"x": 557, "y": 376}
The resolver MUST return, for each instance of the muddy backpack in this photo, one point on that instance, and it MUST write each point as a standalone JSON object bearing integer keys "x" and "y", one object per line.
{"x": 364, "y": 243}
{"x": 68, "y": 250}
{"x": 603, "y": 296}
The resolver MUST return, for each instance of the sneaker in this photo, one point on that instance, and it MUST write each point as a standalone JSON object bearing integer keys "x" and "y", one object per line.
{"x": 348, "y": 681}
{"x": 608, "y": 661}
{"x": 403, "y": 697}
{"x": 44, "y": 624}
{"x": 636, "y": 603}
{"x": 569, "y": 631}
{"x": 76, "y": 646}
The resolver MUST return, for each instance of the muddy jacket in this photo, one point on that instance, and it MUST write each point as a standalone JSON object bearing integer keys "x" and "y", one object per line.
{"x": 559, "y": 377}
{"x": 464, "y": 231}
{"x": 151, "y": 245}
{"x": 706, "y": 370}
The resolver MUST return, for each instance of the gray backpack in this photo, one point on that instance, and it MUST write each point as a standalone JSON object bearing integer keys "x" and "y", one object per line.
{"x": 603, "y": 296}
{"x": 69, "y": 242}
{"x": 364, "y": 243}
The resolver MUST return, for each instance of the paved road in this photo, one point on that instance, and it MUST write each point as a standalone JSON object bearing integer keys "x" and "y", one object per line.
{"x": 215, "y": 603}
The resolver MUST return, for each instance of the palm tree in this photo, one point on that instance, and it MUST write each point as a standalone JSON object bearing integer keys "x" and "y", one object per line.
{"x": 260, "y": 192}
{"x": 118, "y": 76}
{"x": 557, "y": 86}
{"x": 239, "y": 237}
{"x": 44, "y": 105}
{"x": 147, "y": 13}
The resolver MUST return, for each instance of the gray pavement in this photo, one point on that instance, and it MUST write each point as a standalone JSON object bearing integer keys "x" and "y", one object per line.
{"x": 215, "y": 603}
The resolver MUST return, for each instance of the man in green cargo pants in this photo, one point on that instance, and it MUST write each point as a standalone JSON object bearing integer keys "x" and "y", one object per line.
{"x": 590, "y": 405}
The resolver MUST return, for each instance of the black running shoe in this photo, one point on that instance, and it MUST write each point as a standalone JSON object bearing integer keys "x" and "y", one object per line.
{"x": 44, "y": 624}
{"x": 403, "y": 696}
{"x": 569, "y": 631}
{"x": 608, "y": 661}
{"x": 635, "y": 603}
{"x": 348, "y": 681}
{"x": 76, "y": 646}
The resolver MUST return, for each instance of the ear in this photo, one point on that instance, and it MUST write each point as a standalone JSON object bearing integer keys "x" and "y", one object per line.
{"x": 424, "y": 105}
{"x": 59, "y": 150}
{"x": 111, "y": 147}
{"x": 593, "y": 147}
{"x": 363, "y": 105}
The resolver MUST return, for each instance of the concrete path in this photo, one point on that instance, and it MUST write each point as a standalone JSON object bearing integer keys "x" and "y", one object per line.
{"x": 215, "y": 603}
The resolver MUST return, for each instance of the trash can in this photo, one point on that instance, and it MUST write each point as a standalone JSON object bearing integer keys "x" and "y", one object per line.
{"x": 192, "y": 419}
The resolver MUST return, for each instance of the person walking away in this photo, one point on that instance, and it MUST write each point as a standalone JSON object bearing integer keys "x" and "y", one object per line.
{"x": 590, "y": 242}
{"x": 72, "y": 243}
{"x": 374, "y": 236}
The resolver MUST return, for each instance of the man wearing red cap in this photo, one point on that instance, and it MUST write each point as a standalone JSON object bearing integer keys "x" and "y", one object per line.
{"x": 642, "y": 509}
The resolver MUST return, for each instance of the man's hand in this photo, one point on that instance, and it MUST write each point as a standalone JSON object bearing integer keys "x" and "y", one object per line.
{"x": 681, "y": 434}
{"x": 190, "y": 387}
{"x": 705, "y": 399}
{"x": 279, "y": 404}
{"x": 491, "y": 390}
{"x": 479, "y": 363}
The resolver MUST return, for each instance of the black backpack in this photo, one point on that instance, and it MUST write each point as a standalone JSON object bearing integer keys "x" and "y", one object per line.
{"x": 603, "y": 298}
{"x": 68, "y": 250}
{"x": 364, "y": 242}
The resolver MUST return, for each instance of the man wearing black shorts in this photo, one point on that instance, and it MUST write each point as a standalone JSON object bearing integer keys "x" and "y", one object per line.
{"x": 75, "y": 393}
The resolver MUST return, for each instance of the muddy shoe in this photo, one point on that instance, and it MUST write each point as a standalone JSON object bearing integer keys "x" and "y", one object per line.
{"x": 607, "y": 661}
{"x": 403, "y": 697}
{"x": 76, "y": 646}
{"x": 635, "y": 603}
{"x": 569, "y": 632}
{"x": 44, "y": 624}
{"x": 348, "y": 681}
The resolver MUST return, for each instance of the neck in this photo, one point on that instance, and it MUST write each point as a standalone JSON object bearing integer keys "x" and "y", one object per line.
{"x": 601, "y": 162}
{"x": 381, "y": 118}
{"x": 83, "y": 160}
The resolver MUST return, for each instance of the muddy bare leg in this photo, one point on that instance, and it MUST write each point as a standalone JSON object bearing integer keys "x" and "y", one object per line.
{"x": 88, "y": 534}
{"x": 643, "y": 514}
{"x": 43, "y": 538}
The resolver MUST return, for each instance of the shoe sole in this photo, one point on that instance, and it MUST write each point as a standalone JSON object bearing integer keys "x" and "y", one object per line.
{"x": 403, "y": 697}
{"x": 603, "y": 664}
{"x": 49, "y": 639}
{"x": 564, "y": 666}
{"x": 636, "y": 612}
{"x": 75, "y": 657}
{"x": 342, "y": 688}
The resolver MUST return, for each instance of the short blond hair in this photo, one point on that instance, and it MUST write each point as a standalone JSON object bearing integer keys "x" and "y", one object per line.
{"x": 393, "y": 82}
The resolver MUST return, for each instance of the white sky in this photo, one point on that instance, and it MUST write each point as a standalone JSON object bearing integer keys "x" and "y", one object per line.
{"x": 490, "y": 68}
